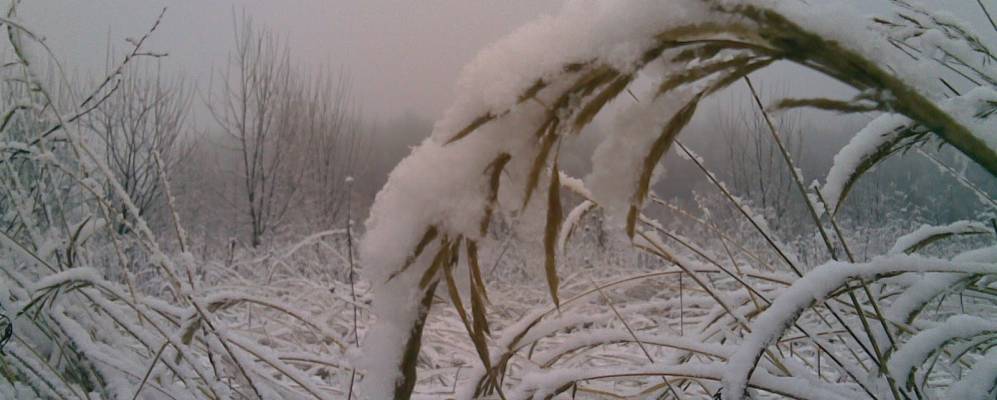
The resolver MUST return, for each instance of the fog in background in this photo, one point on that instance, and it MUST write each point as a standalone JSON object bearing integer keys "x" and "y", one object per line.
{"x": 210, "y": 199}
{"x": 404, "y": 56}
{"x": 403, "y": 59}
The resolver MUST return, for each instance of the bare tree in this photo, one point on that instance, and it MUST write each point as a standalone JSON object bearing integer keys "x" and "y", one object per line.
{"x": 297, "y": 134}
{"x": 256, "y": 111}
{"x": 331, "y": 145}
{"x": 755, "y": 166}
{"x": 147, "y": 115}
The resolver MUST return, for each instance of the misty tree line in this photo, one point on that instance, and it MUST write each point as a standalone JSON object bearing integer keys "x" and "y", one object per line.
{"x": 909, "y": 189}
{"x": 279, "y": 141}
{"x": 276, "y": 152}
{"x": 919, "y": 185}
{"x": 933, "y": 186}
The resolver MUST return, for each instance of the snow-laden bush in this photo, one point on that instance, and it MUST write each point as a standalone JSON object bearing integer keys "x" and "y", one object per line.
{"x": 93, "y": 311}
{"x": 840, "y": 329}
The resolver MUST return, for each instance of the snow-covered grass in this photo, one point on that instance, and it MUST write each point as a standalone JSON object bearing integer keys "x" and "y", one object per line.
{"x": 487, "y": 272}
{"x": 497, "y": 148}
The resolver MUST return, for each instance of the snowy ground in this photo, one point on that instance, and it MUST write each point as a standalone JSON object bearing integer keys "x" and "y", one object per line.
{"x": 484, "y": 271}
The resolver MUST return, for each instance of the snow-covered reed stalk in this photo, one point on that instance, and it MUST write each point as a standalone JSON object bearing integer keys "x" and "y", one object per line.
{"x": 497, "y": 149}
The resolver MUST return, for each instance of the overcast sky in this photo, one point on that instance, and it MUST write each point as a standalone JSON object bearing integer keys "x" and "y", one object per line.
{"x": 404, "y": 55}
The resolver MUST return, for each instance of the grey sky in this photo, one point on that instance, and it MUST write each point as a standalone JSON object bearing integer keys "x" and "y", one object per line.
{"x": 404, "y": 55}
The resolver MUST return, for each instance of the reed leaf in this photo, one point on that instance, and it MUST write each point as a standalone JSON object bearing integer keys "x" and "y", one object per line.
{"x": 439, "y": 261}
{"x": 474, "y": 125}
{"x": 920, "y": 244}
{"x": 695, "y": 74}
{"x": 554, "y": 217}
{"x": 427, "y": 238}
{"x": 475, "y": 270}
{"x": 495, "y": 177}
{"x": 897, "y": 142}
{"x": 826, "y": 104}
{"x": 546, "y": 145}
{"x": 477, "y": 337}
{"x": 589, "y": 111}
{"x": 658, "y": 149}
{"x": 405, "y": 386}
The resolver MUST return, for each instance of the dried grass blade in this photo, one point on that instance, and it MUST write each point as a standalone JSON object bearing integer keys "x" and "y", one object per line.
{"x": 441, "y": 258}
{"x": 658, "y": 149}
{"x": 671, "y": 131}
{"x": 405, "y": 385}
{"x": 477, "y": 337}
{"x": 474, "y": 125}
{"x": 475, "y": 267}
{"x": 822, "y": 103}
{"x": 633, "y": 335}
{"x": 479, "y": 312}
{"x": 145, "y": 378}
{"x": 554, "y": 216}
{"x": 427, "y": 238}
{"x": 495, "y": 169}
{"x": 572, "y": 223}
{"x": 870, "y": 160}
{"x": 695, "y": 74}
{"x": 530, "y": 93}
{"x": 546, "y": 145}
{"x": 589, "y": 111}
